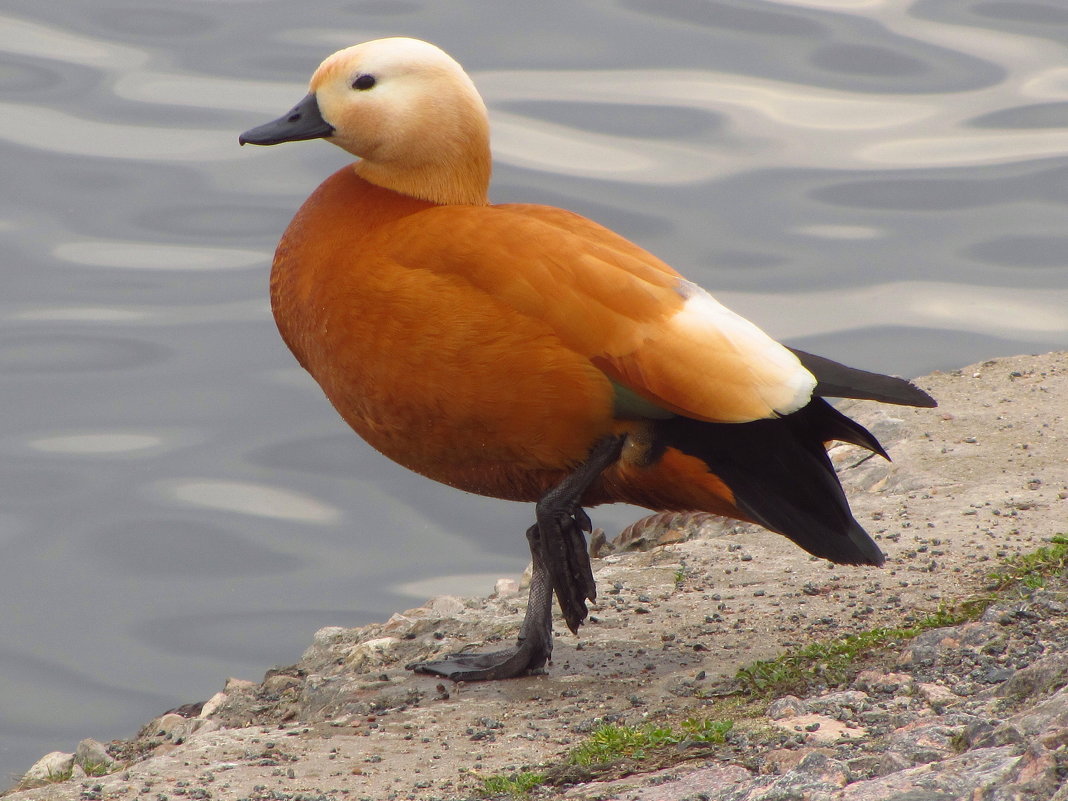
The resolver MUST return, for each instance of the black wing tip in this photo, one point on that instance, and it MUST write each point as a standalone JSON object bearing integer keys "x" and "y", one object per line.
{"x": 835, "y": 380}
{"x": 882, "y": 388}
{"x": 856, "y": 547}
{"x": 860, "y": 550}
{"x": 908, "y": 394}
{"x": 844, "y": 542}
{"x": 924, "y": 399}
{"x": 871, "y": 553}
{"x": 866, "y": 560}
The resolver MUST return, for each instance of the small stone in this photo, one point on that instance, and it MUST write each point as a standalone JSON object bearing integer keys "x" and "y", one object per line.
{"x": 445, "y": 605}
{"x": 398, "y": 623}
{"x": 789, "y": 706}
{"x": 840, "y": 705}
{"x": 212, "y": 704}
{"x": 93, "y": 756}
{"x": 781, "y": 760}
{"x": 928, "y": 646}
{"x": 52, "y": 767}
{"x": 171, "y": 726}
{"x": 891, "y": 762}
{"x": 1036, "y": 680}
{"x": 599, "y": 546}
{"x": 277, "y": 684}
{"x": 324, "y": 637}
{"x": 505, "y": 588}
{"x": 371, "y": 653}
{"x": 866, "y": 765}
{"x": 936, "y": 695}
{"x": 876, "y": 681}
{"x": 827, "y": 770}
{"x": 244, "y": 685}
{"x": 921, "y": 742}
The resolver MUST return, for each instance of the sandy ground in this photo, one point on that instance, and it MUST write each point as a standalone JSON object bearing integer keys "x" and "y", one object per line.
{"x": 983, "y": 476}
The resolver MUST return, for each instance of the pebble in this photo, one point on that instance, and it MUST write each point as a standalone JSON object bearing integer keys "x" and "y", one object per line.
{"x": 48, "y": 768}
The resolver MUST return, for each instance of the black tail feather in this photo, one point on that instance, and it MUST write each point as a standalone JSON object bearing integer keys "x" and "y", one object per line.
{"x": 836, "y": 426}
{"x": 781, "y": 476}
{"x": 835, "y": 380}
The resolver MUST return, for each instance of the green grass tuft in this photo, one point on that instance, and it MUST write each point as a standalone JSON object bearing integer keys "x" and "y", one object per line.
{"x": 824, "y": 662}
{"x": 517, "y": 785}
{"x": 99, "y": 768}
{"x": 1031, "y": 570}
{"x": 611, "y": 742}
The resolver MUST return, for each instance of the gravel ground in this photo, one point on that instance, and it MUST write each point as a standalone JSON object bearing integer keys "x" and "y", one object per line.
{"x": 975, "y": 711}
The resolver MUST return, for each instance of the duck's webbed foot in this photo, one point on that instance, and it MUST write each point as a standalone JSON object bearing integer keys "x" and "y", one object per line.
{"x": 561, "y": 565}
{"x": 522, "y": 660}
{"x": 533, "y": 648}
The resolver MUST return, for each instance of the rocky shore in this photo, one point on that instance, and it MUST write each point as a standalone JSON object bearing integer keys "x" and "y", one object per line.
{"x": 973, "y": 710}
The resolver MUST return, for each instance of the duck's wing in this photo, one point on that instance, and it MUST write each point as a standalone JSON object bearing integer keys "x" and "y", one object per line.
{"x": 653, "y": 334}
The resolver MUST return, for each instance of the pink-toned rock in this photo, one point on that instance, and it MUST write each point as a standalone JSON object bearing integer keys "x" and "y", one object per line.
{"x": 877, "y": 681}
{"x": 936, "y": 695}
{"x": 927, "y": 646}
{"x": 711, "y": 782}
{"x": 820, "y": 729}
{"x": 924, "y": 741}
{"x": 1050, "y": 715}
{"x": 782, "y": 760}
{"x": 817, "y": 777}
{"x": 960, "y": 778}
{"x": 1034, "y": 776}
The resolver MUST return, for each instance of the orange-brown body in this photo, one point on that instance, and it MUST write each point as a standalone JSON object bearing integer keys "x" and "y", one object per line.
{"x": 446, "y": 358}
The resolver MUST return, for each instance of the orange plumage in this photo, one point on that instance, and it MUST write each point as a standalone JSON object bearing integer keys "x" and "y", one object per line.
{"x": 527, "y": 353}
{"x": 452, "y": 363}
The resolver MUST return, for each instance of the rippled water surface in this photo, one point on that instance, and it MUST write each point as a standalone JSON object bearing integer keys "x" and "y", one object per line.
{"x": 881, "y": 182}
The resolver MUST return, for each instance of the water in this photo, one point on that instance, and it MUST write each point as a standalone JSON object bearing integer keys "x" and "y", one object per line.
{"x": 881, "y": 184}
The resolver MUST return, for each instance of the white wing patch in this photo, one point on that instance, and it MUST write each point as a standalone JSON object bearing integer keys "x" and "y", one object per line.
{"x": 774, "y": 373}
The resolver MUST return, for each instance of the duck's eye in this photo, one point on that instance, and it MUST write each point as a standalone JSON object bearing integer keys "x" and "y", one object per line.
{"x": 364, "y": 82}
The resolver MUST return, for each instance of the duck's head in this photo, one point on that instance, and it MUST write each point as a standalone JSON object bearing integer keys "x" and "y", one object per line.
{"x": 406, "y": 109}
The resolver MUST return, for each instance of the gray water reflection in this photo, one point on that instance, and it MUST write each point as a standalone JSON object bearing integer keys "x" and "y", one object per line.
{"x": 881, "y": 183}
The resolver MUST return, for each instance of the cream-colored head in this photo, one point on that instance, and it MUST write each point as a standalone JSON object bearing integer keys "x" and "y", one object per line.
{"x": 413, "y": 117}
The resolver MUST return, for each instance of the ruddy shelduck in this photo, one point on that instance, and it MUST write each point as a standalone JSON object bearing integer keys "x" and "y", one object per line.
{"x": 527, "y": 353}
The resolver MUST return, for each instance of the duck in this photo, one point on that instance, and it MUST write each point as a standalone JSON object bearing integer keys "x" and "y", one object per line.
{"x": 525, "y": 352}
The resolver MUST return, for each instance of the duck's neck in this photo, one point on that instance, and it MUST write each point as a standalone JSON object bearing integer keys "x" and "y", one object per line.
{"x": 462, "y": 182}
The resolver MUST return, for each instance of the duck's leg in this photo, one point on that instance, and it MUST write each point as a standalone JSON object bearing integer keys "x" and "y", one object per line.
{"x": 561, "y": 564}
